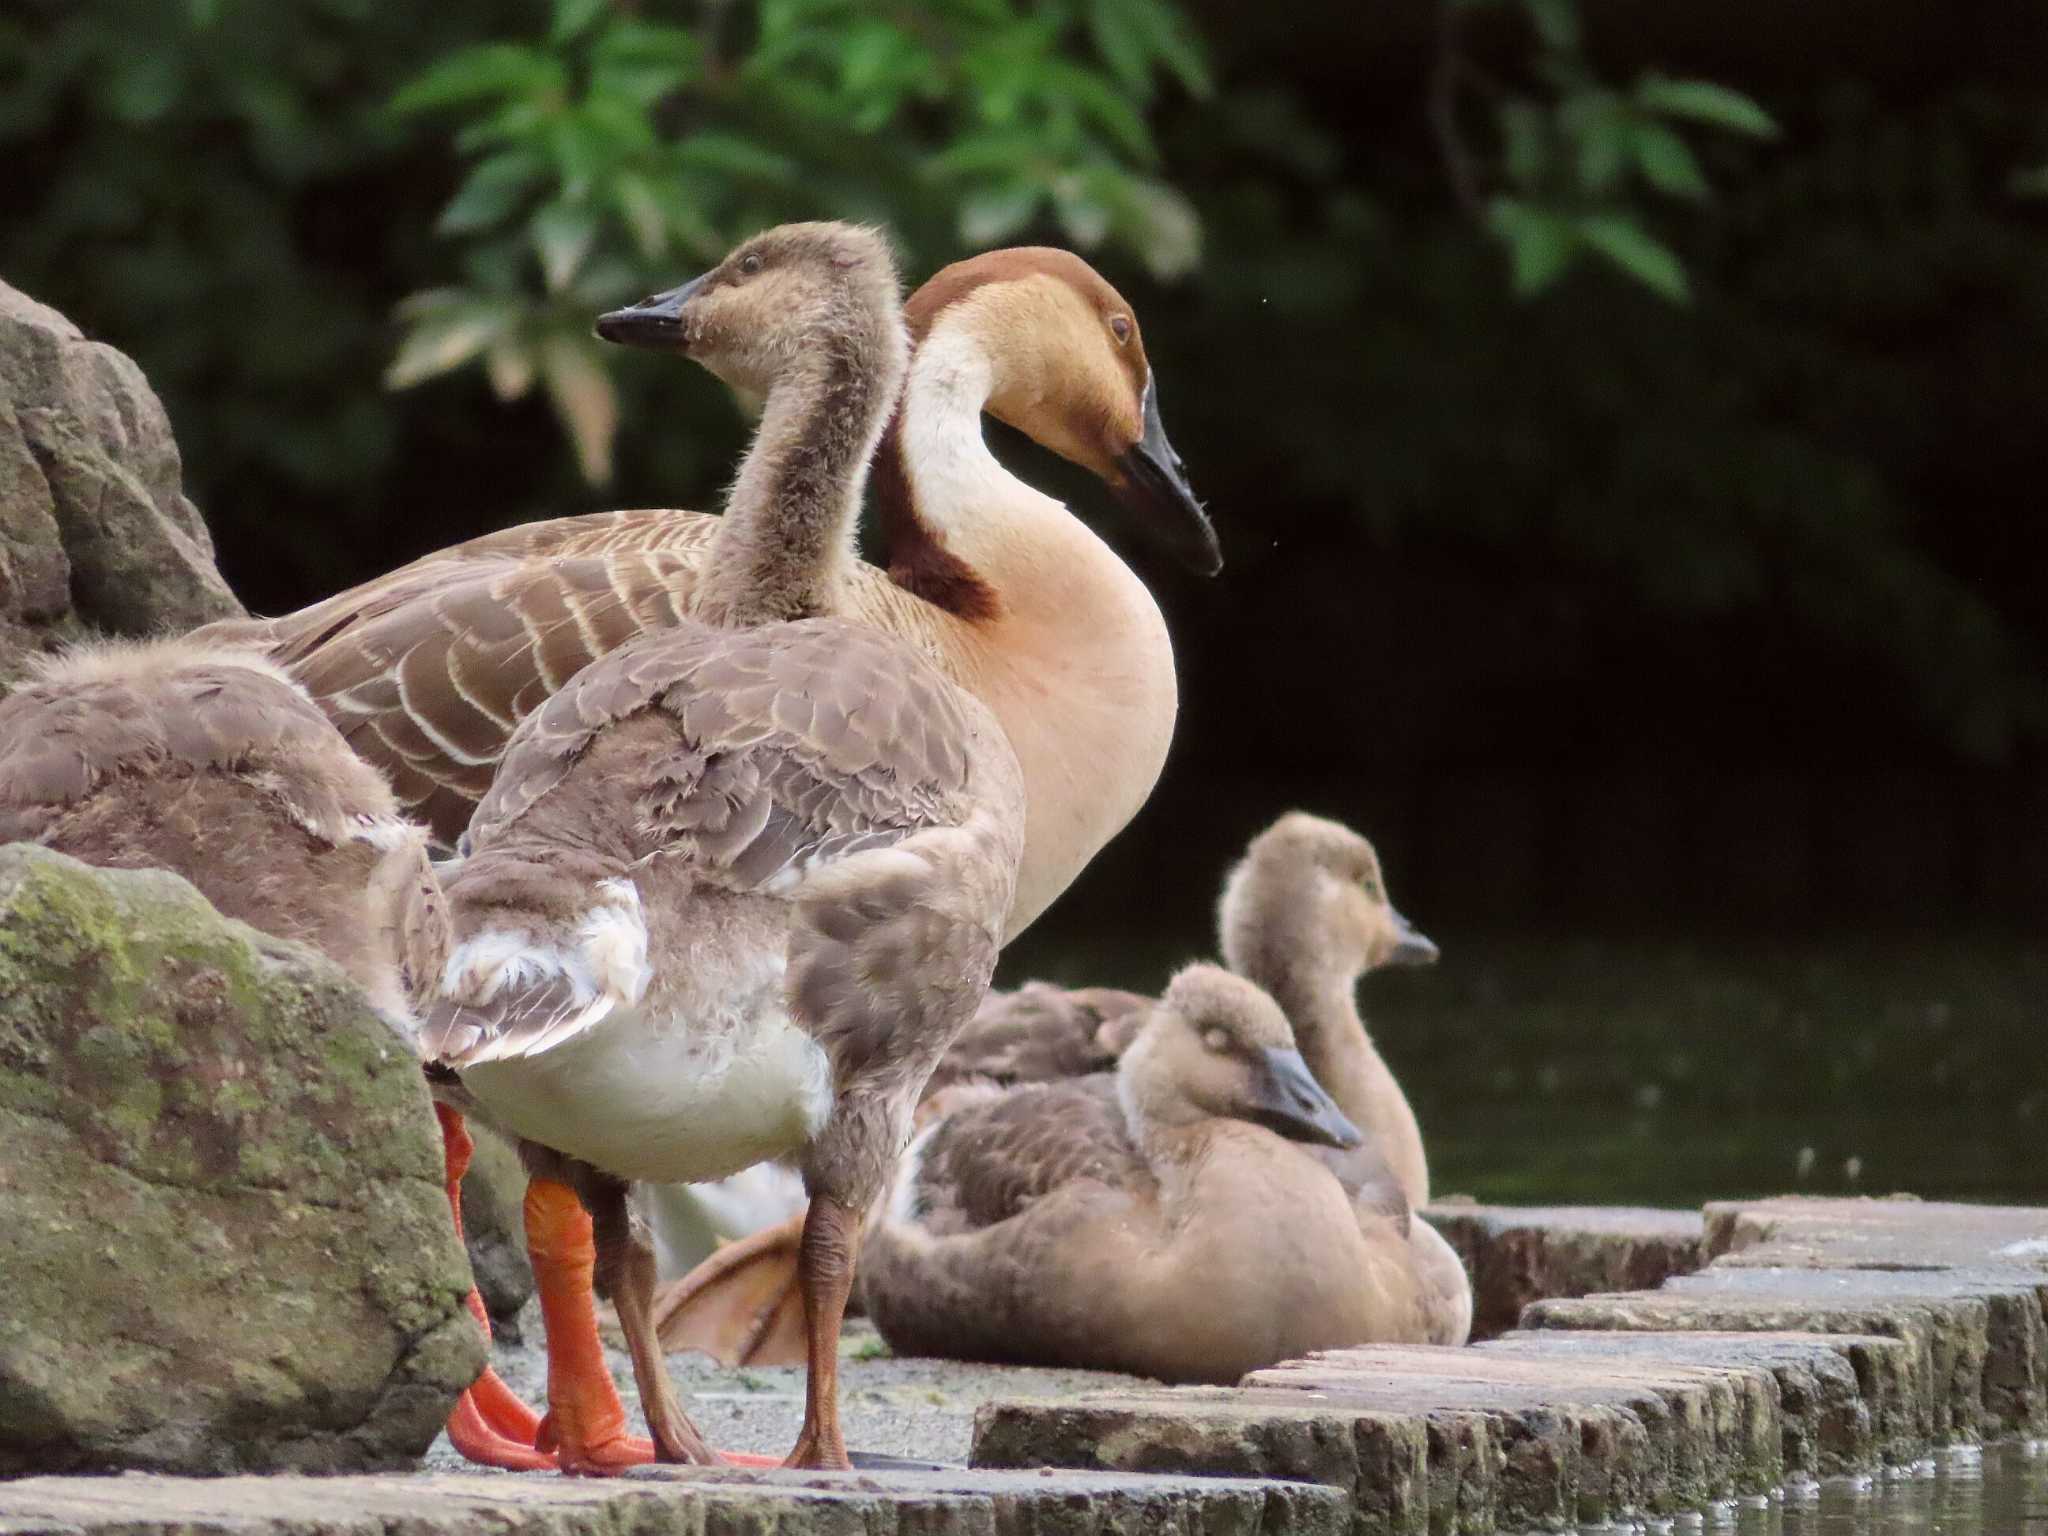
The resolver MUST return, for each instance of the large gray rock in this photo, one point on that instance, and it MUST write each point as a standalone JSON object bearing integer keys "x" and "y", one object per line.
{"x": 95, "y": 530}
{"x": 222, "y": 1226}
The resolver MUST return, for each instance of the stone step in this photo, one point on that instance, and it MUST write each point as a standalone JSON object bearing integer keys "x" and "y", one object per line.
{"x": 658, "y": 1502}
{"x": 1980, "y": 1342}
{"x": 1506, "y": 1437}
{"x": 1836, "y": 1393}
{"x": 1794, "y": 1231}
{"x": 1517, "y": 1254}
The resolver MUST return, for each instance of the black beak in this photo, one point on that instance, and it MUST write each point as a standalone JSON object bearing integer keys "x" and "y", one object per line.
{"x": 1155, "y": 485}
{"x": 655, "y": 322}
{"x": 1287, "y": 1099}
{"x": 1411, "y": 945}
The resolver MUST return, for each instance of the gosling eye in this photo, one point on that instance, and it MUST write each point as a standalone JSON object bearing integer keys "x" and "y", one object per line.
{"x": 1120, "y": 328}
{"x": 1217, "y": 1040}
{"x": 750, "y": 263}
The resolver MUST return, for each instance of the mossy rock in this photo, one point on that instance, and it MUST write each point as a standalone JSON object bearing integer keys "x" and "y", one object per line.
{"x": 222, "y": 1223}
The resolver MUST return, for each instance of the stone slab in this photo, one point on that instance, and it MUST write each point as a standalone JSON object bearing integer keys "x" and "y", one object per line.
{"x": 1897, "y": 1233}
{"x": 1979, "y": 1339}
{"x": 667, "y": 1502}
{"x": 1833, "y": 1390}
{"x": 1519, "y": 1254}
{"x": 1510, "y": 1438}
{"x": 1385, "y": 1462}
{"x": 1657, "y": 1436}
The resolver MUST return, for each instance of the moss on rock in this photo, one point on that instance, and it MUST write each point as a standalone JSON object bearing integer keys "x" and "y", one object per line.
{"x": 221, "y": 1211}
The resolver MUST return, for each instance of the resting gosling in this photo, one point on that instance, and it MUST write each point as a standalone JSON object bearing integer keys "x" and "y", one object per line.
{"x": 1167, "y": 1220}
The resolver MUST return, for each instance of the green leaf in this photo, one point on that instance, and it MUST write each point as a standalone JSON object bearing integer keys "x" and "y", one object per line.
{"x": 732, "y": 156}
{"x": 1540, "y": 242}
{"x": 1702, "y": 101}
{"x": 1120, "y": 39}
{"x": 1601, "y": 125}
{"x": 1557, "y": 22}
{"x": 1100, "y": 102}
{"x": 504, "y": 70}
{"x": 1168, "y": 231}
{"x": 490, "y": 193}
{"x": 640, "y": 206}
{"x": 573, "y": 18}
{"x": 581, "y": 391}
{"x": 448, "y": 328}
{"x": 1666, "y": 163}
{"x": 994, "y": 214}
{"x": 1083, "y": 216}
{"x": 510, "y": 368}
{"x": 1635, "y": 251}
{"x": 563, "y": 233}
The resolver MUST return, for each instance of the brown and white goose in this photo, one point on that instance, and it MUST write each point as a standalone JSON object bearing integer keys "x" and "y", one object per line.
{"x": 427, "y": 670}
{"x": 1166, "y": 1220}
{"x": 214, "y": 764}
{"x": 733, "y": 890}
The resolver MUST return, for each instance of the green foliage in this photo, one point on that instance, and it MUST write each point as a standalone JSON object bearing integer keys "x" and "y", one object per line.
{"x": 626, "y": 144}
{"x": 1575, "y": 153}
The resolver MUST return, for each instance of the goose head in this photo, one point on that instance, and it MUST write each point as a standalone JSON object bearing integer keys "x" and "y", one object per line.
{"x": 1070, "y": 372}
{"x": 1216, "y": 1047}
{"x": 1309, "y": 891}
{"x": 777, "y": 299}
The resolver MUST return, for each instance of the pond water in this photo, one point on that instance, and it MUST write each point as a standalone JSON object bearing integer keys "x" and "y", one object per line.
{"x": 2002, "y": 1493}
{"x": 1670, "y": 1072}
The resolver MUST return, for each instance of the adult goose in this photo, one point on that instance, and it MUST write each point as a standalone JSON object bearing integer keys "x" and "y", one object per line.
{"x": 214, "y": 764}
{"x": 427, "y": 670}
{"x": 734, "y": 889}
{"x": 1166, "y": 1220}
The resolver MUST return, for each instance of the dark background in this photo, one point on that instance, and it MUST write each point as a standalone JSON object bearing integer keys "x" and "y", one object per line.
{"x": 1685, "y": 662}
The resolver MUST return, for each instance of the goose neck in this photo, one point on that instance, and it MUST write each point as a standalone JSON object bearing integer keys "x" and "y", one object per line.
{"x": 786, "y": 542}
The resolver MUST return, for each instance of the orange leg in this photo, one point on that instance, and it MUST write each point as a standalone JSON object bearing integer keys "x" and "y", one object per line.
{"x": 489, "y": 1424}
{"x": 586, "y": 1422}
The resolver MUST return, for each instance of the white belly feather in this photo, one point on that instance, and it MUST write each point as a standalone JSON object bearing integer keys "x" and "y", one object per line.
{"x": 666, "y": 1096}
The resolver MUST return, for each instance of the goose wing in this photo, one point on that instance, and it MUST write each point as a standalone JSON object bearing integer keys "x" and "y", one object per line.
{"x": 1040, "y": 1034}
{"x": 428, "y": 670}
{"x": 770, "y": 752}
{"x": 758, "y": 760}
{"x": 997, "y": 1154}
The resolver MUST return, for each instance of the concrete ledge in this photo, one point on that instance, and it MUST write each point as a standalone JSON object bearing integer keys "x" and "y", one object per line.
{"x": 1520, "y": 1254}
{"x": 664, "y": 1502}
{"x": 1899, "y": 1233}
{"x": 1833, "y": 1390}
{"x": 1979, "y": 1341}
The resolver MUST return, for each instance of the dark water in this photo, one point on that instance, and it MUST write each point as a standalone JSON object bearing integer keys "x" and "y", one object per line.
{"x": 1677, "y": 1071}
{"x": 2003, "y": 1493}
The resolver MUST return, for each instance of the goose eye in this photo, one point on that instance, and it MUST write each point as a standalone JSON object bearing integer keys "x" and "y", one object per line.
{"x": 1120, "y": 328}
{"x": 1217, "y": 1040}
{"x": 750, "y": 264}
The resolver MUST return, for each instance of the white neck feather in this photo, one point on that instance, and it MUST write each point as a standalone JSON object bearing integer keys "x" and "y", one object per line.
{"x": 1076, "y": 663}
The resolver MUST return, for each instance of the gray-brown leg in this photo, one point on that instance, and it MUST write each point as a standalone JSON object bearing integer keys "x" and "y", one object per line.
{"x": 825, "y": 1273}
{"x": 625, "y": 1278}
